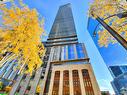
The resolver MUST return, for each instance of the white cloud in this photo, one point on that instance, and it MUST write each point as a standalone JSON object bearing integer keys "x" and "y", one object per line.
{"x": 105, "y": 86}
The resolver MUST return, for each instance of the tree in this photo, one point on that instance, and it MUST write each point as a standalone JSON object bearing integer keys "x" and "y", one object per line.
{"x": 8, "y": 88}
{"x": 1, "y": 85}
{"x": 108, "y": 10}
{"x": 38, "y": 90}
{"x": 21, "y": 32}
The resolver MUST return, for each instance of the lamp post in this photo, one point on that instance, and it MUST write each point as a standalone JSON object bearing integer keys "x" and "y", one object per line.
{"x": 118, "y": 37}
{"x": 4, "y": 1}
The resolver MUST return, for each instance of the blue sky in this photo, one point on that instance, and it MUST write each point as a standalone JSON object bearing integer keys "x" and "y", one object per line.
{"x": 49, "y": 8}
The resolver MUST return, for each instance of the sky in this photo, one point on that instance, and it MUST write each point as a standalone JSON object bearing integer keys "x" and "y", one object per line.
{"x": 49, "y": 8}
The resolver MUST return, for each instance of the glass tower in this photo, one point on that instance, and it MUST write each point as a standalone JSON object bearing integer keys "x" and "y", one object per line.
{"x": 113, "y": 55}
{"x": 118, "y": 70}
{"x": 63, "y": 31}
{"x": 119, "y": 74}
{"x": 69, "y": 66}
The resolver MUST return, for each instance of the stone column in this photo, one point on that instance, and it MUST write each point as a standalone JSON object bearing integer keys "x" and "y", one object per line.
{"x": 42, "y": 86}
{"x": 51, "y": 83}
{"x": 24, "y": 85}
{"x": 81, "y": 82}
{"x": 15, "y": 86}
{"x": 71, "y": 83}
{"x": 61, "y": 83}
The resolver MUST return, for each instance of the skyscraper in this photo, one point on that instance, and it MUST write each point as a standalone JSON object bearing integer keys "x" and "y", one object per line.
{"x": 119, "y": 83}
{"x": 70, "y": 67}
{"x": 65, "y": 70}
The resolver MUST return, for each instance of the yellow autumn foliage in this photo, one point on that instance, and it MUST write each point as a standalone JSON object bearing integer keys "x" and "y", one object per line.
{"x": 21, "y": 34}
{"x": 38, "y": 90}
{"x": 108, "y": 9}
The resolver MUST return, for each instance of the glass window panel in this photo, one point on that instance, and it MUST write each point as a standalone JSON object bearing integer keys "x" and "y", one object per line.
{"x": 80, "y": 52}
{"x": 65, "y": 52}
{"x": 62, "y": 53}
{"x": 71, "y": 54}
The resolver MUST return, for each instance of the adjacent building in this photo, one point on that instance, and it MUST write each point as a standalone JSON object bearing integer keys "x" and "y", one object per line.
{"x": 66, "y": 69}
{"x": 119, "y": 83}
{"x": 113, "y": 54}
{"x": 118, "y": 70}
{"x": 105, "y": 93}
{"x": 70, "y": 71}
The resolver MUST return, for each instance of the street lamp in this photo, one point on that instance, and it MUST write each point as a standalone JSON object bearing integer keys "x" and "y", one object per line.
{"x": 4, "y": 1}
{"x": 118, "y": 37}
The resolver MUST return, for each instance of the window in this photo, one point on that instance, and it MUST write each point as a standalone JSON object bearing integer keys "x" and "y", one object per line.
{"x": 87, "y": 82}
{"x": 55, "y": 55}
{"x": 66, "y": 83}
{"x": 24, "y": 76}
{"x": 76, "y": 82}
{"x": 65, "y": 52}
{"x": 33, "y": 75}
{"x": 29, "y": 87}
{"x": 80, "y": 51}
{"x": 42, "y": 76}
{"x": 71, "y": 54}
{"x": 18, "y": 88}
{"x": 56, "y": 83}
